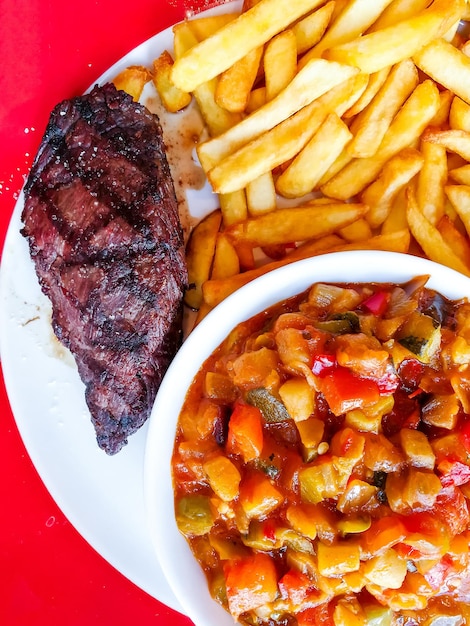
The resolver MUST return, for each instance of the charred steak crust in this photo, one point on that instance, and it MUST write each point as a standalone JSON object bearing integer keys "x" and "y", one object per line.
{"x": 103, "y": 229}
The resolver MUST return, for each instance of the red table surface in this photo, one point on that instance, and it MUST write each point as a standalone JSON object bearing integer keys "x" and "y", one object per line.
{"x": 51, "y": 50}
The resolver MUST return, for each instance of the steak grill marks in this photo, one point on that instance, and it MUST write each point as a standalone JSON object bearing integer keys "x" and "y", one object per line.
{"x": 103, "y": 228}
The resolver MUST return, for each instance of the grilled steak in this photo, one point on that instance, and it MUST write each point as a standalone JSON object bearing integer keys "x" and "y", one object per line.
{"x": 102, "y": 223}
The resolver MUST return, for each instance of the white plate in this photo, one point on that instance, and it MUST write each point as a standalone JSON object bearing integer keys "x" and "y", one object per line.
{"x": 102, "y": 496}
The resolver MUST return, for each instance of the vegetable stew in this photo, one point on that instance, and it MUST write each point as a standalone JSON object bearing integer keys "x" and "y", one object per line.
{"x": 322, "y": 460}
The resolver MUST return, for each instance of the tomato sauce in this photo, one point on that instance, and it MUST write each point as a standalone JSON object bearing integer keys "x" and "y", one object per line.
{"x": 322, "y": 460}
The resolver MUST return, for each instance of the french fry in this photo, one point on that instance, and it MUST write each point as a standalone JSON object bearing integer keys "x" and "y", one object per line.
{"x": 353, "y": 20}
{"x": 217, "y": 119}
{"x": 397, "y": 11}
{"x": 199, "y": 256}
{"x": 451, "y": 234}
{"x": 217, "y": 290}
{"x": 459, "y": 196}
{"x": 393, "y": 44}
{"x": 459, "y": 115}
{"x": 249, "y": 30}
{"x": 447, "y": 65}
{"x": 318, "y": 200}
{"x": 296, "y": 223}
{"x": 132, "y": 80}
{"x": 453, "y": 35}
{"x": 460, "y": 174}
{"x": 309, "y": 30}
{"x": 233, "y": 206}
{"x": 398, "y": 241}
{"x": 316, "y": 79}
{"x": 203, "y": 310}
{"x": 314, "y": 159}
{"x": 226, "y": 262}
{"x": 249, "y": 4}
{"x": 283, "y": 142}
{"x": 173, "y": 99}
{"x": 357, "y": 231}
{"x": 259, "y": 157}
{"x": 246, "y": 255}
{"x": 261, "y": 195}
{"x": 457, "y": 141}
{"x": 340, "y": 5}
{"x": 256, "y": 99}
{"x": 396, "y": 219}
{"x": 454, "y": 216}
{"x": 442, "y": 115}
{"x": 204, "y": 27}
{"x": 376, "y": 81}
{"x": 395, "y": 175}
{"x": 280, "y": 63}
{"x": 406, "y": 128}
{"x": 235, "y": 84}
{"x": 344, "y": 159}
{"x": 429, "y": 238}
{"x": 431, "y": 181}
{"x": 370, "y": 126}
{"x": 183, "y": 40}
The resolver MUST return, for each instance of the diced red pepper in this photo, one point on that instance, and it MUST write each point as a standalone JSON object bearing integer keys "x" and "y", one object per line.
{"x": 422, "y": 523}
{"x": 316, "y": 616}
{"x": 464, "y": 435}
{"x": 347, "y": 441}
{"x": 344, "y": 391}
{"x": 407, "y": 552}
{"x": 377, "y": 303}
{"x": 269, "y": 530}
{"x": 323, "y": 364}
{"x": 454, "y": 473}
{"x": 250, "y": 582}
{"x": 245, "y": 432}
{"x": 426, "y": 533}
{"x": 295, "y": 586}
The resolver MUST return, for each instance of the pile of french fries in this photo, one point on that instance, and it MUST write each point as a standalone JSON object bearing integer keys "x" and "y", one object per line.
{"x": 332, "y": 125}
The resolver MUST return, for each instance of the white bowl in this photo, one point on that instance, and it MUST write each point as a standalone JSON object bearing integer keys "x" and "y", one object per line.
{"x": 176, "y": 559}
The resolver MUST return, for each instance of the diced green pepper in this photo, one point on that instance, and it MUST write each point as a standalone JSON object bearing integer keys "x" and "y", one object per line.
{"x": 421, "y": 335}
{"x": 193, "y": 515}
{"x": 273, "y": 410}
{"x": 340, "y": 323}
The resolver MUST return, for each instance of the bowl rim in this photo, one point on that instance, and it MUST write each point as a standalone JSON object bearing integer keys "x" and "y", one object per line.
{"x": 358, "y": 266}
